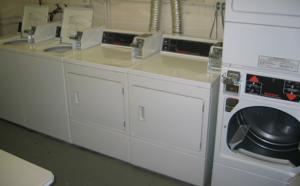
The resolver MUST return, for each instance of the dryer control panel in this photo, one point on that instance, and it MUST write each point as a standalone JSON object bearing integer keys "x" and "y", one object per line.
{"x": 273, "y": 87}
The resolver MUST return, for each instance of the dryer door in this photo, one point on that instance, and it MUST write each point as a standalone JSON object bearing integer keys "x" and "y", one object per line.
{"x": 264, "y": 12}
{"x": 265, "y": 132}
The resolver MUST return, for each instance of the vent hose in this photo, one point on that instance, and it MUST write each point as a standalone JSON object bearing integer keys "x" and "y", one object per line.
{"x": 155, "y": 15}
{"x": 176, "y": 9}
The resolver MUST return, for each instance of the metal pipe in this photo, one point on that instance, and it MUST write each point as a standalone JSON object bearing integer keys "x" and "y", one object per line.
{"x": 176, "y": 8}
{"x": 155, "y": 14}
{"x": 108, "y": 13}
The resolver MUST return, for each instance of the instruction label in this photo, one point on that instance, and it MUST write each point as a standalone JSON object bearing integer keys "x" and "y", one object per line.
{"x": 278, "y": 63}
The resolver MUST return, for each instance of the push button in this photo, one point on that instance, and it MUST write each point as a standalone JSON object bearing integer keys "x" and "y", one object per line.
{"x": 230, "y": 104}
{"x": 291, "y": 96}
{"x": 254, "y": 79}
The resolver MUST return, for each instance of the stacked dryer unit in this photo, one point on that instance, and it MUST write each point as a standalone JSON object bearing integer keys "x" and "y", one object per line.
{"x": 258, "y": 128}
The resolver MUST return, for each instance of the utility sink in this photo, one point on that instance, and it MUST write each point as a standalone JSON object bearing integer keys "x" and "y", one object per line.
{"x": 16, "y": 42}
{"x": 58, "y": 49}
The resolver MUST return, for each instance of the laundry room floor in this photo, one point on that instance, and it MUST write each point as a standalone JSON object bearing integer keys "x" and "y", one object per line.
{"x": 75, "y": 166}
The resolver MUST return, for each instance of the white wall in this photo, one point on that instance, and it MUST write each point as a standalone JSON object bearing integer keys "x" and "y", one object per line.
{"x": 134, "y": 15}
{"x": 127, "y": 14}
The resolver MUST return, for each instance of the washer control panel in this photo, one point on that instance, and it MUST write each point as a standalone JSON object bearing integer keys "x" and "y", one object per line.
{"x": 273, "y": 87}
{"x": 189, "y": 47}
{"x": 115, "y": 38}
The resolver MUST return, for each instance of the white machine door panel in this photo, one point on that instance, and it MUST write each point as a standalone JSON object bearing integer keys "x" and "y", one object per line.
{"x": 227, "y": 176}
{"x": 279, "y": 7}
{"x": 96, "y": 101}
{"x": 167, "y": 118}
{"x": 248, "y": 45}
{"x": 10, "y": 98}
{"x": 44, "y": 96}
{"x": 267, "y": 12}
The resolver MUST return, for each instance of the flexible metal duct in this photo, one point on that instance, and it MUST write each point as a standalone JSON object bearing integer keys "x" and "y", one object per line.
{"x": 176, "y": 9}
{"x": 155, "y": 15}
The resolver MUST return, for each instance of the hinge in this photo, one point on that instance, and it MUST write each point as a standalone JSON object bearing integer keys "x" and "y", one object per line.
{"x": 200, "y": 145}
{"x": 124, "y": 124}
{"x": 123, "y": 91}
{"x": 203, "y": 106}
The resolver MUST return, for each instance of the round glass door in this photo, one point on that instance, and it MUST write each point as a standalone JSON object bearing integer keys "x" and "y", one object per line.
{"x": 265, "y": 131}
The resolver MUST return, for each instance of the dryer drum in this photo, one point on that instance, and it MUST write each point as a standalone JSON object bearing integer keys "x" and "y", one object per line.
{"x": 266, "y": 131}
{"x": 272, "y": 125}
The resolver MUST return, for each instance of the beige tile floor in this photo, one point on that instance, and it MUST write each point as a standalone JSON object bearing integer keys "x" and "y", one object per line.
{"x": 74, "y": 166}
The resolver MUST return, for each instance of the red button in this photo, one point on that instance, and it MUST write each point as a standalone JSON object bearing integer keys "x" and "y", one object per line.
{"x": 254, "y": 79}
{"x": 291, "y": 96}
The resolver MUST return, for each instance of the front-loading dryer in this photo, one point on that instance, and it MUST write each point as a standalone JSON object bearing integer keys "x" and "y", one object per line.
{"x": 258, "y": 129}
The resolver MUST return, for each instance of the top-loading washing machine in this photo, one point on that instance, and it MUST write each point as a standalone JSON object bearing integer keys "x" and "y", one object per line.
{"x": 97, "y": 89}
{"x": 173, "y": 103}
{"x": 258, "y": 127}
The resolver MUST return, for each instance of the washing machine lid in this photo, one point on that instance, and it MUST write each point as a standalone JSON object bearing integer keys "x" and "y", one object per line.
{"x": 272, "y": 125}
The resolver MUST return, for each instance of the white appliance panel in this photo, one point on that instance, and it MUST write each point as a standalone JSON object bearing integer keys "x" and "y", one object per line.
{"x": 273, "y": 7}
{"x": 244, "y": 44}
{"x": 100, "y": 139}
{"x": 10, "y": 97}
{"x": 227, "y": 176}
{"x": 284, "y": 13}
{"x": 97, "y": 106}
{"x": 167, "y": 118}
{"x": 96, "y": 101}
{"x": 168, "y": 161}
{"x": 44, "y": 95}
